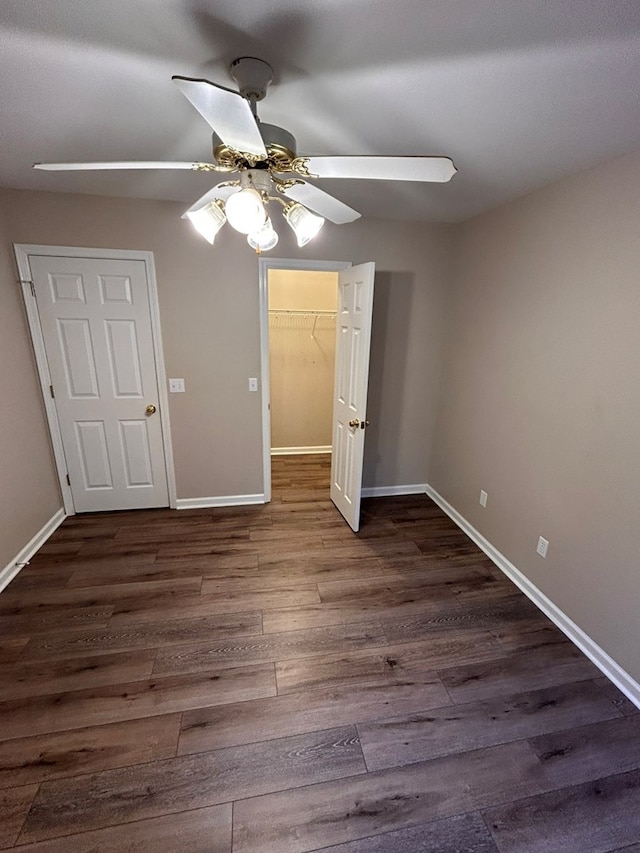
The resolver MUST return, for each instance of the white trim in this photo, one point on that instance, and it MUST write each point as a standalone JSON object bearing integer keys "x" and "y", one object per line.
{"x": 22, "y": 557}
{"x": 161, "y": 376}
{"x": 37, "y": 340}
{"x": 264, "y": 265}
{"x": 301, "y": 451}
{"x": 605, "y": 663}
{"x": 22, "y": 253}
{"x": 222, "y": 500}
{"x": 388, "y": 491}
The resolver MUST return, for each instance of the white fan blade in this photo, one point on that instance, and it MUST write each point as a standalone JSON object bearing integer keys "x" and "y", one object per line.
{"x": 77, "y": 167}
{"x": 222, "y": 191}
{"x": 322, "y": 203}
{"x": 227, "y": 112}
{"x": 436, "y": 169}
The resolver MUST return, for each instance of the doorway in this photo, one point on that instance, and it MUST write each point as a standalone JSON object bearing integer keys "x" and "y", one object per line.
{"x": 355, "y": 285}
{"x": 302, "y": 339}
{"x": 296, "y": 420}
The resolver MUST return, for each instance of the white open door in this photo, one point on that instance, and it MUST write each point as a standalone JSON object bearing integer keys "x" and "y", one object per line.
{"x": 95, "y": 320}
{"x": 353, "y": 337}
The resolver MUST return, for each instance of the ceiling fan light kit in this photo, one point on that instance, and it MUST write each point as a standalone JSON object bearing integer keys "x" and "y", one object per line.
{"x": 265, "y": 158}
{"x": 263, "y": 239}
{"x": 208, "y": 220}
{"x": 245, "y": 211}
{"x": 304, "y": 224}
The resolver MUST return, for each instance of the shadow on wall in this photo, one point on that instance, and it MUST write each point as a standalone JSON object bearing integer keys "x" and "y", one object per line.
{"x": 392, "y": 304}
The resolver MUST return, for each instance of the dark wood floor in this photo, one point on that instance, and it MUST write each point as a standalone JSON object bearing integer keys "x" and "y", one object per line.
{"x": 262, "y": 680}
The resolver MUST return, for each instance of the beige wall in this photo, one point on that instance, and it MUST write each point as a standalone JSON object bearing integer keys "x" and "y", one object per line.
{"x": 29, "y": 494}
{"x": 209, "y": 310}
{"x": 540, "y": 402}
{"x": 302, "y": 356}
{"x": 303, "y": 290}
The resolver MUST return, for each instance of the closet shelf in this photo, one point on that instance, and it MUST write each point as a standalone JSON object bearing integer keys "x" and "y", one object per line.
{"x": 282, "y": 315}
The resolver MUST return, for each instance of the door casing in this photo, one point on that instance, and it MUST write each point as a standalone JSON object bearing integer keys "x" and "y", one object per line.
{"x": 266, "y": 264}
{"x": 22, "y": 253}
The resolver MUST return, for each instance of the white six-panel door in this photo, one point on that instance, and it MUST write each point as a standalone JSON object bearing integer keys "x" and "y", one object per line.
{"x": 353, "y": 337}
{"x": 95, "y": 320}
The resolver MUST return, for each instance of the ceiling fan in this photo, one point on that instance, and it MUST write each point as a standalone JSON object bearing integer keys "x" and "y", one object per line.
{"x": 263, "y": 164}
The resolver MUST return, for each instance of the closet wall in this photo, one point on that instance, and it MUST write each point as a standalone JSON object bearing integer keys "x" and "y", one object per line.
{"x": 302, "y": 329}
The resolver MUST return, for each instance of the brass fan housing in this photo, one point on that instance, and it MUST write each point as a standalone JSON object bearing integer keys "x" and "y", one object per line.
{"x": 281, "y": 151}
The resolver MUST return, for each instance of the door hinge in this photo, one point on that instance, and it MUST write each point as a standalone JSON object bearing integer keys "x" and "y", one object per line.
{"x": 68, "y": 481}
{"x": 51, "y": 391}
{"x": 33, "y": 289}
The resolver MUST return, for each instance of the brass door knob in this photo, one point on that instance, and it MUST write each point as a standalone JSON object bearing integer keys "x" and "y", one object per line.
{"x": 354, "y": 423}
{"x": 150, "y": 410}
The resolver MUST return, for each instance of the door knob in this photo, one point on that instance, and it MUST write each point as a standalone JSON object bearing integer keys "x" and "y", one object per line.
{"x": 150, "y": 410}
{"x": 354, "y": 423}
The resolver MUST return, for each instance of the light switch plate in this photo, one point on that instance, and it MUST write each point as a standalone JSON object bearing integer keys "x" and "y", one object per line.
{"x": 253, "y": 384}
{"x": 176, "y": 386}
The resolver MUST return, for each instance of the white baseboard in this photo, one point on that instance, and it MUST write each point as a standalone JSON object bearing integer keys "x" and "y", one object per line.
{"x": 300, "y": 451}
{"x": 223, "y": 500}
{"x": 578, "y": 637}
{"x": 22, "y": 558}
{"x": 389, "y": 491}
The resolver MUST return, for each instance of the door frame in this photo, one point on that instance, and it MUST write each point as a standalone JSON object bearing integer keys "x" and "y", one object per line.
{"x": 22, "y": 252}
{"x": 264, "y": 266}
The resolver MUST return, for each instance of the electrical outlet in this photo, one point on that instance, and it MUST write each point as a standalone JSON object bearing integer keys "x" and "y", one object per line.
{"x": 176, "y": 386}
{"x": 543, "y": 544}
{"x": 483, "y": 497}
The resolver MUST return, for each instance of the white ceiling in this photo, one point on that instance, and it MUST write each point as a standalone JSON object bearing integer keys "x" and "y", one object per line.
{"x": 517, "y": 92}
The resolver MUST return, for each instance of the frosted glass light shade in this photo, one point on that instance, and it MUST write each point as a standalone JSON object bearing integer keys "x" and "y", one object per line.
{"x": 263, "y": 239}
{"x": 245, "y": 211}
{"x": 208, "y": 220}
{"x": 304, "y": 224}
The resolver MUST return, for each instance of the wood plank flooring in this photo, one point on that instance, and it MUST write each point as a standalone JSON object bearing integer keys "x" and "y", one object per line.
{"x": 262, "y": 680}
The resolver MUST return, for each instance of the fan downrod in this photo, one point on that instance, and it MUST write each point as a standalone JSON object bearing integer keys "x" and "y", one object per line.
{"x": 253, "y": 77}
